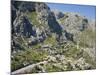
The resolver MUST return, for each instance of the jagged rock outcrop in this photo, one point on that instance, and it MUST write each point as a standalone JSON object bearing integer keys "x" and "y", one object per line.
{"x": 58, "y": 14}
{"x": 74, "y": 22}
{"x": 22, "y": 25}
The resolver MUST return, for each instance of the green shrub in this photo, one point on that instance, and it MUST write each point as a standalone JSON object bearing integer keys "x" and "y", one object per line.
{"x": 72, "y": 52}
{"x": 89, "y": 60}
{"x": 51, "y": 68}
{"x": 29, "y": 57}
{"x": 33, "y": 19}
{"x": 87, "y": 38}
{"x": 50, "y": 40}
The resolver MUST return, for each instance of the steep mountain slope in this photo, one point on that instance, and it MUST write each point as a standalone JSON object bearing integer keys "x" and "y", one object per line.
{"x": 65, "y": 40}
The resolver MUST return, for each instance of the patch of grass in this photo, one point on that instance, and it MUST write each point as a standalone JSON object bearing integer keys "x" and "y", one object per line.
{"x": 22, "y": 42}
{"x": 72, "y": 52}
{"x": 33, "y": 19}
{"x": 87, "y": 38}
{"x": 89, "y": 59}
{"x": 50, "y": 40}
{"x": 51, "y": 68}
{"x": 29, "y": 57}
{"x": 15, "y": 65}
{"x": 37, "y": 46}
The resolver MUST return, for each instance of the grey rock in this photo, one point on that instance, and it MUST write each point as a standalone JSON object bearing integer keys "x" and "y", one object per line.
{"x": 58, "y": 14}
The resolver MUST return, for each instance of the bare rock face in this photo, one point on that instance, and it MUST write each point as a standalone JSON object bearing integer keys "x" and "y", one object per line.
{"x": 58, "y": 14}
{"x": 45, "y": 16}
{"x": 74, "y": 22}
{"x": 23, "y": 6}
{"x": 22, "y": 26}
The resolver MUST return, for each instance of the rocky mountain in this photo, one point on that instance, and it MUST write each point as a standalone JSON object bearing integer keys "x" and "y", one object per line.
{"x": 65, "y": 40}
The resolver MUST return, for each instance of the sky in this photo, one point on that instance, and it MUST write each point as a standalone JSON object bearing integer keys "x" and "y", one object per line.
{"x": 85, "y": 10}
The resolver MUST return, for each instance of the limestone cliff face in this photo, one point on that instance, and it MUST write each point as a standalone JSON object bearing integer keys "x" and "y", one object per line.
{"x": 40, "y": 24}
